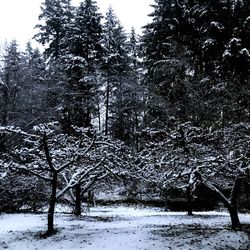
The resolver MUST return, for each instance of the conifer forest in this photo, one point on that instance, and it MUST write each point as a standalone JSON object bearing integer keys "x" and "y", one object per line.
{"x": 98, "y": 115}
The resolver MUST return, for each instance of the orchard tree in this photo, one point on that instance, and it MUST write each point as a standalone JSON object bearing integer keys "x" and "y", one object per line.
{"x": 22, "y": 192}
{"x": 190, "y": 157}
{"x": 64, "y": 162}
{"x": 102, "y": 163}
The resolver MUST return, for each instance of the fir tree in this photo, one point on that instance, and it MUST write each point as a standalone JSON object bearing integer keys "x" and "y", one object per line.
{"x": 10, "y": 82}
{"x": 84, "y": 55}
{"x": 115, "y": 70}
{"x": 220, "y": 52}
{"x": 55, "y": 17}
{"x": 31, "y": 100}
{"x": 197, "y": 49}
{"x": 165, "y": 63}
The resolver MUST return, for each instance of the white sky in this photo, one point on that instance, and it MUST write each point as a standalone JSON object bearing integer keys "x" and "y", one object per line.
{"x": 18, "y": 17}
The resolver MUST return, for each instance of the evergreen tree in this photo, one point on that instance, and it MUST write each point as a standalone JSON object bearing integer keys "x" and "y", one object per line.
{"x": 115, "y": 70}
{"x": 165, "y": 63}
{"x": 133, "y": 102}
{"x": 83, "y": 60}
{"x": 55, "y": 17}
{"x": 10, "y": 82}
{"x": 197, "y": 60}
{"x": 31, "y": 100}
{"x": 220, "y": 53}
{"x": 134, "y": 50}
{"x": 215, "y": 24}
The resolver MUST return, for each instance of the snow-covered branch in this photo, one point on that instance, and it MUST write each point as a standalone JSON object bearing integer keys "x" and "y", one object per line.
{"x": 77, "y": 177}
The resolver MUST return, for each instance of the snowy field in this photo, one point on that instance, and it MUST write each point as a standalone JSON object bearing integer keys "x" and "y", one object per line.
{"x": 124, "y": 228}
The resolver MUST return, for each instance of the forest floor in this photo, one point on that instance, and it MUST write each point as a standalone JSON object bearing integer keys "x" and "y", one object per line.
{"x": 125, "y": 228}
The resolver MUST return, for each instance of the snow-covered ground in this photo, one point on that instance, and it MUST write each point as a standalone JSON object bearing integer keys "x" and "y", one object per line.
{"x": 124, "y": 228}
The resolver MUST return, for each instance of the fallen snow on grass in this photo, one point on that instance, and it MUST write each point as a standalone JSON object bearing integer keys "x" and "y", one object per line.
{"x": 124, "y": 228}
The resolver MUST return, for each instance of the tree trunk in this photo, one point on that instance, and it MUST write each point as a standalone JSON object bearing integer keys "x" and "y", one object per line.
{"x": 136, "y": 130}
{"x": 78, "y": 202}
{"x": 52, "y": 202}
{"x": 4, "y": 118}
{"x": 233, "y": 210}
{"x": 189, "y": 201}
{"x": 52, "y": 205}
{"x": 231, "y": 204}
{"x": 34, "y": 207}
{"x": 235, "y": 222}
{"x": 107, "y": 107}
{"x": 91, "y": 200}
{"x": 99, "y": 116}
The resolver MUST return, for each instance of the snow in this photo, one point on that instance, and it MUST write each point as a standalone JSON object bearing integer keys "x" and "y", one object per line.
{"x": 236, "y": 41}
{"x": 219, "y": 26}
{"x": 245, "y": 51}
{"x": 209, "y": 42}
{"x": 3, "y": 175}
{"x": 123, "y": 228}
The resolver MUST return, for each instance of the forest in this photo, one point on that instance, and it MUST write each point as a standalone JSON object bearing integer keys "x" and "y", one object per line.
{"x": 163, "y": 115}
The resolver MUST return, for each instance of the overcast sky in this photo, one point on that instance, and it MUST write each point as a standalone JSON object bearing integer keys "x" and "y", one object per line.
{"x": 18, "y": 17}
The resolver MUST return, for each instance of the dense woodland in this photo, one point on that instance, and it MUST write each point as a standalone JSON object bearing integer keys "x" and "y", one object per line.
{"x": 165, "y": 112}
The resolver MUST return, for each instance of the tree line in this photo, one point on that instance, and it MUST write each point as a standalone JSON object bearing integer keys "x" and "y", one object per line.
{"x": 174, "y": 102}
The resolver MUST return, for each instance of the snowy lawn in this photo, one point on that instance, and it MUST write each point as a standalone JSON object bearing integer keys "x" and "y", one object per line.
{"x": 124, "y": 228}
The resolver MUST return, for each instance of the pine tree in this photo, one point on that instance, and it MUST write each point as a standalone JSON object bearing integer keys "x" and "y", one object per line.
{"x": 165, "y": 63}
{"x": 220, "y": 53}
{"x": 211, "y": 25}
{"x": 31, "y": 100}
{"x": 197, "y": 49}
{"x": 115, "y": 70}
{"x": 83, "y": 60}
{"x": 133, "y": 92}
{"x": 10, "y": 82}
{"x": 55, "y": 17}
